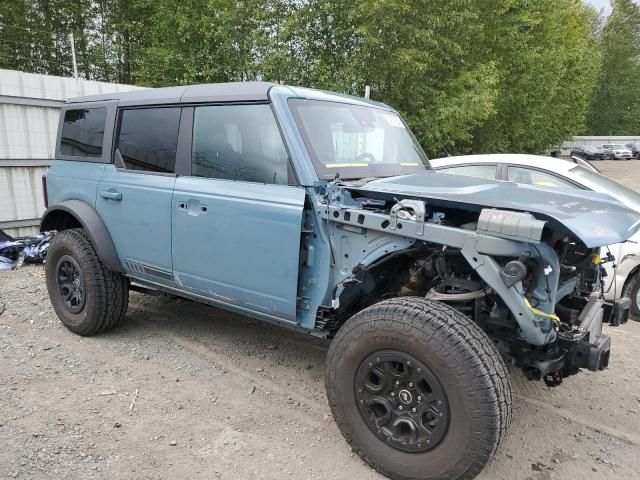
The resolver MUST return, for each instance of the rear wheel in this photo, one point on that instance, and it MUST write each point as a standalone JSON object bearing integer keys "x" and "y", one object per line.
{"x": 418, "y": 390}
{"x": 87, "y": 296}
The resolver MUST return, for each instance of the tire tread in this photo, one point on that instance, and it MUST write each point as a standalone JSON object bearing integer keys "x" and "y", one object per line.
{"x": 469, "y": 342}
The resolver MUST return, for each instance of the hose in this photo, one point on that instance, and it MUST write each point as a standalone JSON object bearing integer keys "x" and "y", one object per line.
{"x": 540, "y": 313}
{"x": 433, "y": 294}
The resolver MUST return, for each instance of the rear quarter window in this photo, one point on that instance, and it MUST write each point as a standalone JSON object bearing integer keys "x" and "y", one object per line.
{"x": 83, "y": 132}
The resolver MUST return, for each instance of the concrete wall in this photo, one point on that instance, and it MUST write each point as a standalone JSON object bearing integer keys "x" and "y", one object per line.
{"x": 29, "y": 106}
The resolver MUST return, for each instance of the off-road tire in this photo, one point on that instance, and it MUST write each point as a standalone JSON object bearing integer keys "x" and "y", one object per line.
{"x": 106, "y": 292}
{"x": 460, "y": 355}
{"x": 631, "y": 291}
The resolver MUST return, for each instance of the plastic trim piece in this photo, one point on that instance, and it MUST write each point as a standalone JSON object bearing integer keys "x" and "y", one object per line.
{"x": 91, "y": 223}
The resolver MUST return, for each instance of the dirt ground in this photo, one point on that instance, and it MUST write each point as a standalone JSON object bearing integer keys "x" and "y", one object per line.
{"x": 181, "y": 390}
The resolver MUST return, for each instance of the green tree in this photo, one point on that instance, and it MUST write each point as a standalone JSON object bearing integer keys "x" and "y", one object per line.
{"x": 419, "y": 56}
{"x": 547, "y": 60}
{"x": 34, "y": 34}
{"x": 475, "y": 75}
{"x": 469, "y": 75}
{"x": 614, "y": 108}
{"x": 196, "y": 41}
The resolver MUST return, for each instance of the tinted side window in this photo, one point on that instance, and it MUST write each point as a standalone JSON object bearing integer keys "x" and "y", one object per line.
{"x": 481, "y": 171}
{"x": 537, "y": 178}
{"x": 148, "y": 139}
{"x": 83, "y": 131}
{"x": 238, "y": 142}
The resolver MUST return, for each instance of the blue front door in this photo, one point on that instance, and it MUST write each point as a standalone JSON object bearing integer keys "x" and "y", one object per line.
{"x": 237, "y": 221}
{"x": 238, "y": 243}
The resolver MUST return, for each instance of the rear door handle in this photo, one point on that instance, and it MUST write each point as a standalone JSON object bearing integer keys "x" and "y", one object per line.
{"x": 109, "y": 195}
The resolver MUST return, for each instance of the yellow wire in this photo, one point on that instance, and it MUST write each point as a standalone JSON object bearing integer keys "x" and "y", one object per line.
{"x": 540, "y": 313}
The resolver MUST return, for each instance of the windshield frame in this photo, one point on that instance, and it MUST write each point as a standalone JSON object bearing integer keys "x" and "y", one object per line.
{"x": 357, "y": 172}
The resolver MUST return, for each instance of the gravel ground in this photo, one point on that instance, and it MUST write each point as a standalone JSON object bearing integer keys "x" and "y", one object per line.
{"x": 181, "y": 390}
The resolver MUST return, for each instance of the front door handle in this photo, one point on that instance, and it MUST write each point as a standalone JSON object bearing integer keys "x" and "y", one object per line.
{"x": 110, "y": 195}
{"x": 192, "y": 206}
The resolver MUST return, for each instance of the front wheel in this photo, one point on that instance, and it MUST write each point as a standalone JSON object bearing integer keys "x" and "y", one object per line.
{"x": 87, "y": 296}
{"x": 418, "y": 390}
{"x": 632, "y": 291}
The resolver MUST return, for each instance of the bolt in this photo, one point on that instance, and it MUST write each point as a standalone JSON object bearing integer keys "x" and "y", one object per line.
{"x": 393, "y": 394}
{"x": 401, "y": 408}
{"x": 410, "y": 384}
{"x": 397, "y": 382}
{"x": 419, "y": 397}
{"x": 413, "y": 409}
{"x": 439, "y": 402}
{"x": 377, "y": 359}
{"x": 370, "y": 364}
{"x": 408, "y": 363}
{"x": 419, "y": 370}
{"x": 361, "y": 401}
{"x": 440, "y": 414}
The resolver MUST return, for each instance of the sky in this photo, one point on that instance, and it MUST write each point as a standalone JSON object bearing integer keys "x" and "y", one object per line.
{"x": 603, "y": 4}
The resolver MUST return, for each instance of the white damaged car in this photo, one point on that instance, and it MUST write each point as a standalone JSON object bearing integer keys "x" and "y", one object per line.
{"x": 623, "y": 274}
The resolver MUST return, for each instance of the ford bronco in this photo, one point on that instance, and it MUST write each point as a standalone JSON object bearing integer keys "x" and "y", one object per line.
{"x": 320, "y": 212}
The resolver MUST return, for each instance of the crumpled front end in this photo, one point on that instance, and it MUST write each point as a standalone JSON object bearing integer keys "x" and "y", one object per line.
{"x": 531, "y": 282}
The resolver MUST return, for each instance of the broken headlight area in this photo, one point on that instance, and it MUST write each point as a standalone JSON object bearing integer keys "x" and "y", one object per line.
{"x": 580, "y": 342}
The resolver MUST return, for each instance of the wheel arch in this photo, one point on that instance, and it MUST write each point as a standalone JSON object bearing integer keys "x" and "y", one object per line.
{"x": 78, "y": 214}
{"x": 632, "y": 273}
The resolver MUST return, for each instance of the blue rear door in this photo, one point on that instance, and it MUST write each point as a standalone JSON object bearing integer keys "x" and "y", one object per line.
{"x": 236, "y": 219}
{"x": 134, "y": 194}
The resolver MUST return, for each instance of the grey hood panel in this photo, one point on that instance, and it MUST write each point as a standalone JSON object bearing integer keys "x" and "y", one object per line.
{"x": 595, "y": 218}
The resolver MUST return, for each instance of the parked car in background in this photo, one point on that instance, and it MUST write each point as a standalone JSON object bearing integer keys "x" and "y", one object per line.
{"x": 623, "y": 275}
{"x": 590, "y": 152}
{"x": 618, "y": 151}
{"x": 635, "y": 149}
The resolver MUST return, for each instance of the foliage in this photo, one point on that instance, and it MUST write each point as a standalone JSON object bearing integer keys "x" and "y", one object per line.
{"x": 468, "y": 75}
{"x": 614, "y": 108}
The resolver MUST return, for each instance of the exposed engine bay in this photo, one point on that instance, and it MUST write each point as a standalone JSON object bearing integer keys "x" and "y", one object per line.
{"x": 495, "y": 266}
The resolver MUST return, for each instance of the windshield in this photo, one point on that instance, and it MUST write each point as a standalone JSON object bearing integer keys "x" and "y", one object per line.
{"x": 357, "y": 141}
{"x": 602, "y": 184}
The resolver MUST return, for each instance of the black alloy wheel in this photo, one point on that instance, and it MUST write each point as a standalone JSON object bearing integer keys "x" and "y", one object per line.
{"x": 70, "y": 283}
{"x": 402, "y": 401}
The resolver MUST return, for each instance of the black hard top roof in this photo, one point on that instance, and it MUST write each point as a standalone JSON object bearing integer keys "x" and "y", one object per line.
{"x": 211, "y": 92}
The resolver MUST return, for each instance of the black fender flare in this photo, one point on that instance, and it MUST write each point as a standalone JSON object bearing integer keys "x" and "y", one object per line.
{"x": 56, "y": 218}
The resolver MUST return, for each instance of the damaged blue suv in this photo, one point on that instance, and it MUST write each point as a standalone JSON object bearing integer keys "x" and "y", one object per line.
{"x": 320, "y": 212}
